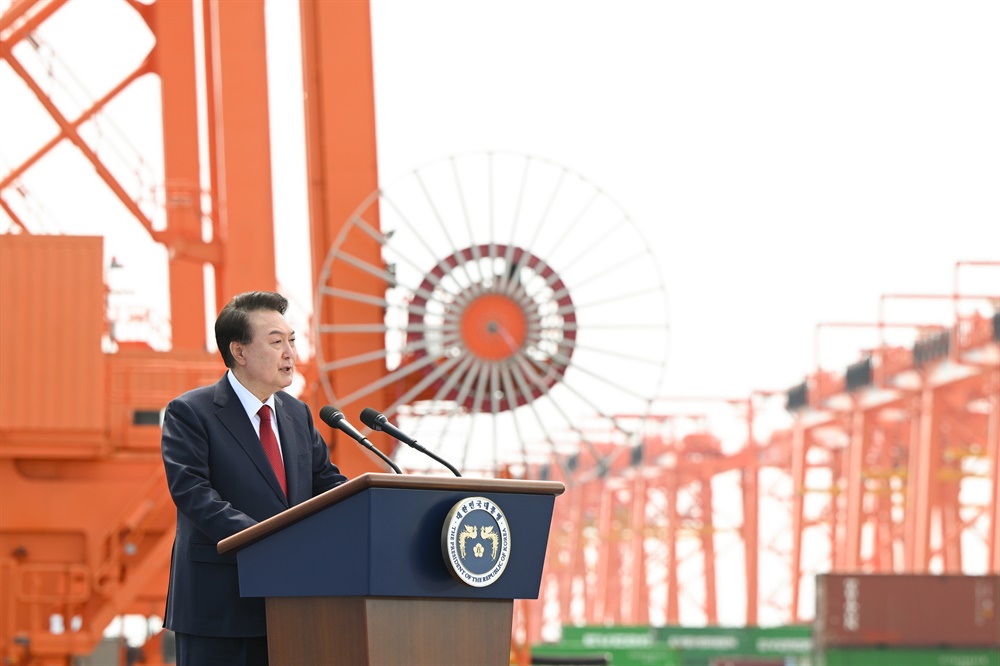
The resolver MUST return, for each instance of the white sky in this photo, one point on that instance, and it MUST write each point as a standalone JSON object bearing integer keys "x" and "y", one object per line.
{"x": 789, "y": 161}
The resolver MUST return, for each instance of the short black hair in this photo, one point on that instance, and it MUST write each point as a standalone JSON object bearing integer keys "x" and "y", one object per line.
{"x": 233, "y": 323}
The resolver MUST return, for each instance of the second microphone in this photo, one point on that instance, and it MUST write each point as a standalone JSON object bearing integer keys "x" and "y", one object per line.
{"x": 335, "y": 419}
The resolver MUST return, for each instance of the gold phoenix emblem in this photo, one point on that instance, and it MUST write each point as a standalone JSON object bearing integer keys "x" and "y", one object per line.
{"x": 494, "y": 538}
{"x": 469, "y": 533}
{"x": 485, "y": 532}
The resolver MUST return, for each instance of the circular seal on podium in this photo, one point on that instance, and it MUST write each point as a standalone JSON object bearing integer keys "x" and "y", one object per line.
{"x": 475, "y": 541}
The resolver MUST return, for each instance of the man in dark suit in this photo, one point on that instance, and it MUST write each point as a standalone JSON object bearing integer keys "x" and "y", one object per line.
{"x": 235, "y": 453}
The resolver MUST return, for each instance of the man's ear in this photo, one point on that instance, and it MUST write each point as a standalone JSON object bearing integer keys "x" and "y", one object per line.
{"x": 236, "y": 349}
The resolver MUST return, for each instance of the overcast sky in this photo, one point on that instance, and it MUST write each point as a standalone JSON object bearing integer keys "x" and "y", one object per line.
{"x": 789, "y": 162}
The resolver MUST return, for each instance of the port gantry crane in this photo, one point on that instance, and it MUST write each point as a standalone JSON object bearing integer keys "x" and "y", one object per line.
{"x": 889, "y": 466}
{"x": 87, "y": 524}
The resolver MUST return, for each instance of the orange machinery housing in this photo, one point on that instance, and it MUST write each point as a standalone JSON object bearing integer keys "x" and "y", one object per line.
{"x": 86, "y": 524}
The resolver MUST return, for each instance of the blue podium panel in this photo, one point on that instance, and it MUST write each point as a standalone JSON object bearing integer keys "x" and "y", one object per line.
{"x": 387, "y": 542}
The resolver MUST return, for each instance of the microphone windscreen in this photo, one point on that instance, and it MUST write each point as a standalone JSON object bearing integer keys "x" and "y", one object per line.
{"x": 328, "y": 414}
{"x": 370, "y": 418}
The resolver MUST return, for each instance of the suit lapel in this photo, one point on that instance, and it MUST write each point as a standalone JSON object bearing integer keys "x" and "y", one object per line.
{"x": 289, "y": 434}
{"x": 234, "y": 418}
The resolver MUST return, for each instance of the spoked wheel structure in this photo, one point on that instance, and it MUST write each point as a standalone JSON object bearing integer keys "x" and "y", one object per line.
{"x": 519, "y": 314}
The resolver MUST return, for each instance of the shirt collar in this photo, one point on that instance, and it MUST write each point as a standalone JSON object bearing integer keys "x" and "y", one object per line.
{"x": 249, "y": 401}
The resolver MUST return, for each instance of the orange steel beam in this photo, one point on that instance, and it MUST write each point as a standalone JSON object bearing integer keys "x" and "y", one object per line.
{"x": 886, "y": 532}
{"x": 68, "y": 129}
{"x": 13, "y": 216}
{"x": 708, "y": 550}
{"x": 640, "y": 583}
{"x": 242, "y": 146}
{"x": 590, "y": 575}
{"x": 212, "y": 149}
{"x": 673, "y": 610}
{"x": 993, "y": 455}
{"x": 800, "y": 451}
{"x": 173, "y": 59}
{"x": 575, "y": 561}
{"x": 920, "y": 487}
{"x": 751, "y": 518}
{"x": 857, "y": 451}
{"x": 23, "y": 16}
{"x": 609, "y": 562}
{"x": 342, "y": 170}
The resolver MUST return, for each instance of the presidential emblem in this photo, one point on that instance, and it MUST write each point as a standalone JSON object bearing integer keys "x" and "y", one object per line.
{"x": 475, "y": 541}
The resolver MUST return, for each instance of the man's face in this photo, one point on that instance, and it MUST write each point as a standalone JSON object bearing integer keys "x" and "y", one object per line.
{"x": 267, "y": 363}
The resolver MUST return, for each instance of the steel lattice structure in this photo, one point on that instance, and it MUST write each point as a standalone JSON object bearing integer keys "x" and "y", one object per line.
{"x": 890, "y": 466}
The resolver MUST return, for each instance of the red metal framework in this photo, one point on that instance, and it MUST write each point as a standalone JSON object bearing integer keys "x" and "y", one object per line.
{"x": 87, "y": 523}
{"x": 888, "y": 467}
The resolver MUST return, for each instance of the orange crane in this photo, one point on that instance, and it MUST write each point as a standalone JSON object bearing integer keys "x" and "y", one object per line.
{"x": 888, "y": 467}
{"x": 85, "y": 519}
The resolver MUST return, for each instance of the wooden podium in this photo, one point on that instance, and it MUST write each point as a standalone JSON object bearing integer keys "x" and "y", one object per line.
{"x": 358, "y": 574}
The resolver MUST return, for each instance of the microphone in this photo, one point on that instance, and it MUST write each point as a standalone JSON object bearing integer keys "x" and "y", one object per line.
{"x": 335, "y": 419}
{"x": 377, "y": 421}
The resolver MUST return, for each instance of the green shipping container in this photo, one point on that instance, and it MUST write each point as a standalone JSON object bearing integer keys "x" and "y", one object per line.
{"x": 702, "y": 660}
{"x": 907, "y": 657}
{"x": 617, "y": 636}
{"x": 794, "y": 640}
{"x": 697, "y": 646}
{"x": 702, "y": 643}
{"x": 653, "y": 655}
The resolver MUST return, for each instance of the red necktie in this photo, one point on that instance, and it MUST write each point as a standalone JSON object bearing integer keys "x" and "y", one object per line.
{"x": 270, "y": 443}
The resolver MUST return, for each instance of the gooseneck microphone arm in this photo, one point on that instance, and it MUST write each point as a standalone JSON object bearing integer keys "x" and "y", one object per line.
{"x": 335, "y": 419}
{"x": 377, "y": 421}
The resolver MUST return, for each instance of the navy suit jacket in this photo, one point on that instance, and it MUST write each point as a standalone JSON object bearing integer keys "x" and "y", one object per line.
{"x": 221, "y": 481}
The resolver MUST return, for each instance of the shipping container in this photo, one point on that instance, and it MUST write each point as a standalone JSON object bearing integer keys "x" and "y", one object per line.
{"x": 568, "y": 658}
{"x": 617, "y": 636}
{"x": 907, "y": 657}
{"x": 707, "y": 642}
{"x": 751, "y": 661}
{"x": 575, "y": 652}
{"x": 794, "y": 640}
{"x": 791, "y": 645}
{"x": 907, "y": 610}
{"x": 698, "y": 645}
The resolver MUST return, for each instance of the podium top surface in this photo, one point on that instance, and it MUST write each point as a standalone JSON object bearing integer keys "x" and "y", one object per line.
{"x": 380, "y": 480}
